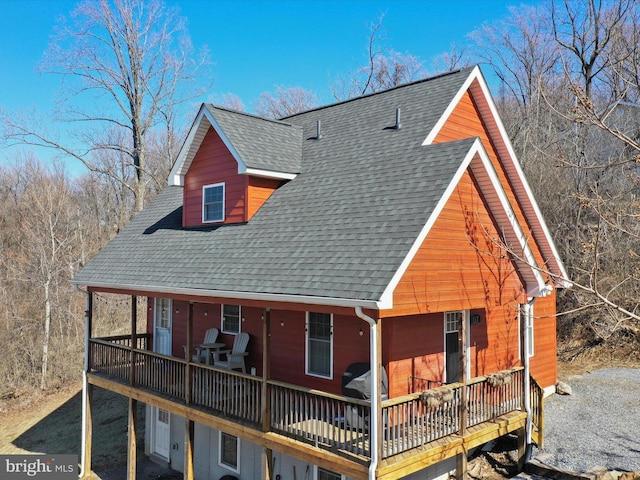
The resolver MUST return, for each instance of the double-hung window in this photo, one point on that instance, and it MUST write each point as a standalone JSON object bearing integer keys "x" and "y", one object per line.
{"x": 231, "y": 318}
{"x": 322, "y": 474}
{"x": 213, "y": 203}
{"x": 229, "y": 452}
{"x": 319, "y": 344}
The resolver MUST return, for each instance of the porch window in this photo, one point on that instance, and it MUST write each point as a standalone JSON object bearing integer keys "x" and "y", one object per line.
{"x": 231, "y": 318}
{"x": 163, "y": 312}
{"x": 229, "y": 452}
{"x": 319, "y": 358}
{"x": 213, "y": 203}
{"x": 322, "y": 474}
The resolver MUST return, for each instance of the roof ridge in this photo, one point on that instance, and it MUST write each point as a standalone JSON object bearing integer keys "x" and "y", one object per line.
{"x": 250, "y": 115}
{"x": 397, "y": 87}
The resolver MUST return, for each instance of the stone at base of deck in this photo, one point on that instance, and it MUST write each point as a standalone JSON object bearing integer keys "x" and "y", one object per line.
{"x": 417, "y": 459}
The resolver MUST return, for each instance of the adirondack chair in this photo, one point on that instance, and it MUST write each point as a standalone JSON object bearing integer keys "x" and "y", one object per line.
{"x": 235, "y": 356}
{"x": 210, "y": 336}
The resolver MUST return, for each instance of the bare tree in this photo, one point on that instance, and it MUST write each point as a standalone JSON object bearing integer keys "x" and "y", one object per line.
{"x": 457, "y": 57}
{"x": 43, "y": 257}
{"x": 232, "y": 102}
{"x": 567, "y": 100}
{"x": 585, "y": 30}
{"x": 126, "y": 65}
{"x": 285, "y": 102}
{"x": 384, "y": 69}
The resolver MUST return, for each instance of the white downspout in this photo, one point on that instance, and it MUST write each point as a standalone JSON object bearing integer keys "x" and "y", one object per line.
{"x": 83, "y": 449}
{"x": 528, "y": 319}
{"x": 375, "y": 391}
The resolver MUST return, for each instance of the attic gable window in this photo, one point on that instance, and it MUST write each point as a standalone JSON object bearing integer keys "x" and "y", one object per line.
{"x": 213, "y": 203}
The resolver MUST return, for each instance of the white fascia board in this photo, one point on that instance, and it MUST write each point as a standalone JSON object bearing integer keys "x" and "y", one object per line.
{"x": 523, "y": 180}
{"x": 176, "y": 177}
{"x": 476, "y": 79}
{"x": 387, "y": 297}
{"x": 187, "y": 153}
{"x": 452, "y": 105}
{"x": 476, "y": 151}
{"x": 255, "y": 296}
{"x": 538, "y": 288}
{"x": 256, "y": 172}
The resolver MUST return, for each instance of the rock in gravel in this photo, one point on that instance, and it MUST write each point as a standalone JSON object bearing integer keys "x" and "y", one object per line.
{"x": 563, "y": 388}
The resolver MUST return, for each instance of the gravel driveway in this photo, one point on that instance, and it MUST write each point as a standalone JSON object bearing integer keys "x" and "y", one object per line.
{"x": 598, "y": 425}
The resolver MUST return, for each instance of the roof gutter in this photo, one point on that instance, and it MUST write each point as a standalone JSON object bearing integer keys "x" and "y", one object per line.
{"x": 375, "y": 391}
{"x": 257, "y": 296}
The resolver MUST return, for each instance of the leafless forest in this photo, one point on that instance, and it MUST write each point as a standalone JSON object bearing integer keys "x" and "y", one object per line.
{"x": 565, "y": 76}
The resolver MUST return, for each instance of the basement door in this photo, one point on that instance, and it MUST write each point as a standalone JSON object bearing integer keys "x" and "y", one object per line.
{"x": 160, "y": 426}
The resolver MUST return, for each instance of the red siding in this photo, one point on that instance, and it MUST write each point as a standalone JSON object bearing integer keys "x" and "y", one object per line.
{"x": 544, "y": 361}
{"x": 288, "y": 349}
{"x": 213, "y": 163}
{"x": 492, "y": 346}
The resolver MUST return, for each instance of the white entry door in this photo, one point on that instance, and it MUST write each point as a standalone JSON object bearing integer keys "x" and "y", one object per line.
{"x": 162, "y": 326}
{"x": 161, "y": 434}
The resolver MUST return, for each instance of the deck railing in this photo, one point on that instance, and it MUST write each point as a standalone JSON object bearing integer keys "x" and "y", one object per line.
{"x": 325, "y": 420}
{"x": 494, "y": 395}
{"x": 331, "y": 422}
{"x": 537, "y": 412}
{"x": 413, "y": 420}
{"x": 228, "y": 393}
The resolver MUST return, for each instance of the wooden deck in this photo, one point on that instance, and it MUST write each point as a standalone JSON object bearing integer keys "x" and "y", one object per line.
{"x": 325, "y": 429}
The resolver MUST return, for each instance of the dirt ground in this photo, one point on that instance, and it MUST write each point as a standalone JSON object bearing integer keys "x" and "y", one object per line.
{"x": 52, "y": 424}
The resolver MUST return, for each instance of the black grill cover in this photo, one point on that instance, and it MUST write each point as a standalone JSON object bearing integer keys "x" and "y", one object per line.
{"x": 356, "y": 381}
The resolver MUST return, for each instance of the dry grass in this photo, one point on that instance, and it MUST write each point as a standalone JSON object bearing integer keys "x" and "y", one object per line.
{"x": 52, "y": 424}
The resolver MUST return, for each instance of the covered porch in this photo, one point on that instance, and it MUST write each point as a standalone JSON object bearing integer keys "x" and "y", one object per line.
{"x": 417, "y": 430}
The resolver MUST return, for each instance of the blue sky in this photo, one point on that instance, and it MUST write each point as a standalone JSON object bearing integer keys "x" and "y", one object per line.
{"x": 255, "y": 45}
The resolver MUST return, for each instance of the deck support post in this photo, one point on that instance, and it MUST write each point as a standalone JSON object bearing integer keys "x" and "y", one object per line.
{"x": 267, "y": 463}
{"x": 267, "y": 453}
{"x": 461, "y": 465}
{"x": 87, "y": 392}
{"x": 266, "y": 370}
{"x": 134, "y": 337}
{"x": 187, "y": 373}
{"x": 189, "y": 435}
{"x": 133, "y": 439}
{"x": 522, "y": 447}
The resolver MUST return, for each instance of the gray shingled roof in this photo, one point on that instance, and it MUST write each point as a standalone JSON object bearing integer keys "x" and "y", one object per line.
{"x": 262, "y": 144}
{"x": 340, "y": 229}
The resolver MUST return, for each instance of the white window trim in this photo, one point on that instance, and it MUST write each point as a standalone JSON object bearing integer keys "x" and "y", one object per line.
{"x": 315, "y": 473}
{"x": 306, "y": 350}
{"x": 220, "y": 462}
{"x": 204, "y": 187}
{"x": 466, "y": 316}
{"x": 222, "y": 329}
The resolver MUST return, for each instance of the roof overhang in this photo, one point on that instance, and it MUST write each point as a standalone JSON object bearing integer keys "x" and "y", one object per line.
{"x": 479, "y": 90}
{"x": 479, "y": 163}
{"x": 225, "y": 294}
{"x": 205, "y": 120}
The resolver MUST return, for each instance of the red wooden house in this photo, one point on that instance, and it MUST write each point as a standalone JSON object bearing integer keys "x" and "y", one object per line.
{"x": 393, "y": 234}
